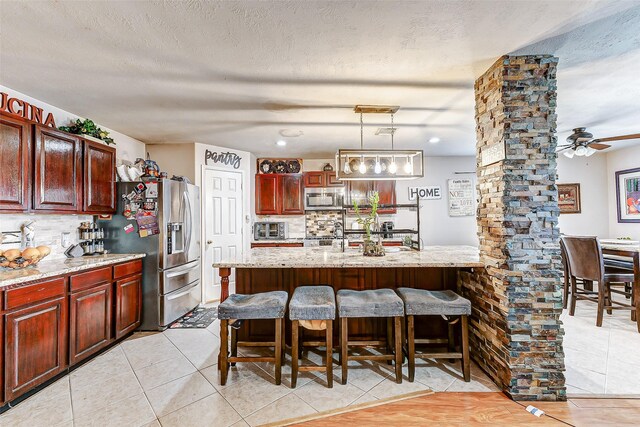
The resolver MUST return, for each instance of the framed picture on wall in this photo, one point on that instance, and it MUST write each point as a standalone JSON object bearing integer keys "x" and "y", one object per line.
{"x": 628, "y": 195}
{"x": 569, "y": 198}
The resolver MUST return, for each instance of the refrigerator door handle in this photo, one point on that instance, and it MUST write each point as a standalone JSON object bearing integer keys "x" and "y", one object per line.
{"x": 189, "y": 224}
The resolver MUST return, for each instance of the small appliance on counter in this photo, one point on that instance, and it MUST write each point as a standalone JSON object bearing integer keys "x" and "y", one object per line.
{"x": 318, "y": 242}
{"x": 270, "y": 231}
{"x": 387, "y": 227}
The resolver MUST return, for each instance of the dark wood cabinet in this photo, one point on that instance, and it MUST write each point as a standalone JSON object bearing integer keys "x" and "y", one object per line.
{"x": 128, "y": 305}
{"x": 15, "y": 164}
{"x": 279, "y": 194}
{"x": 57, "y": 178}
{"x": 360, "y": 190}
{"x": 315, "y": 179}
{"x": 291, "y": 197}
{"x": 35, "y": 345}
{"x": 267, "y": 194}
{"x": 89, "y": 321}
{"x": 99, "y": 178}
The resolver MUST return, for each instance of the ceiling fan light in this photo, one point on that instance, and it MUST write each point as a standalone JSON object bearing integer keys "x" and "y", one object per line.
{"x": 569, "y": 153}
{"x": 581, "y": 150}
{"x": 590, "y": 151}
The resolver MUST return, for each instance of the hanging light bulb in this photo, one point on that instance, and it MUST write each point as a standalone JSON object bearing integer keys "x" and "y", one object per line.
{"x": 346, "y": 168}
{"x": 569, "y": 153}
{"x": 408, "y": 167}
{"x": 362, "y": 168}
{"x": 378, "y": 167}
{"x": 393, "y": 167}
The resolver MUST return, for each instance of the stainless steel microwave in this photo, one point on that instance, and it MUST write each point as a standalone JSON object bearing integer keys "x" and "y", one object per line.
{"x": 270, "y": 231}
{"x": 323, "y": 199}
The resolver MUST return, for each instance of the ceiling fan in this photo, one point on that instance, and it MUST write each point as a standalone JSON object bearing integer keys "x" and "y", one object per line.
{"x": 581, "y": 143}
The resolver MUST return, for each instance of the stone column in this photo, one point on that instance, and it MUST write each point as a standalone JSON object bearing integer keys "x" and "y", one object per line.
{"x": 517, "y": 299}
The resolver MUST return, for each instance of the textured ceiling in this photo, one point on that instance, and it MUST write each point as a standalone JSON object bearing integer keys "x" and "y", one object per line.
{"x": 238, "y": 73}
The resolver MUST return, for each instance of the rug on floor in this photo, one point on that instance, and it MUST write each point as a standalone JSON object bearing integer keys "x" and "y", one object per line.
{"x": 199, "y": 317}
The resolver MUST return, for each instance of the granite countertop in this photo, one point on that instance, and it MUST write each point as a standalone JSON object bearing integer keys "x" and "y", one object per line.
{"x": 56, "y": 267}
{"x": 431, "y": 256}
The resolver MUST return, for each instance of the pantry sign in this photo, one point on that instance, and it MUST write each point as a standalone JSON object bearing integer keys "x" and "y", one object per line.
{"x": 21, "y": 108}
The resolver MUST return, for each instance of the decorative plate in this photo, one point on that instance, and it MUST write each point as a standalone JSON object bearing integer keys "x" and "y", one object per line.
{"x": 281, "y": 167}
{"x": 293, "y": 166}
{"x": 266, "y": 166}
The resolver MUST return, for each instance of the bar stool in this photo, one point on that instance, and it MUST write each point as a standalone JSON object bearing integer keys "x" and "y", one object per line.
{"x": 312, "y": 307}
{"x": 265, "y": 305}
{"x": 371, "y": 303}
{"x": 420, "y": 302}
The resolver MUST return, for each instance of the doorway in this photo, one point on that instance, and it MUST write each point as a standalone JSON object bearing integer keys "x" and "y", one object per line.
{"x": 223, "y": 228}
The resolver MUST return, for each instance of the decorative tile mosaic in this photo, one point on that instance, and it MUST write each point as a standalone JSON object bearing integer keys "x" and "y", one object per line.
{"x": 321, "y": 223}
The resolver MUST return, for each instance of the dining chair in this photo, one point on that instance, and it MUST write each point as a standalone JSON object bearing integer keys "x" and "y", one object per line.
{"x": 585, "y": 261}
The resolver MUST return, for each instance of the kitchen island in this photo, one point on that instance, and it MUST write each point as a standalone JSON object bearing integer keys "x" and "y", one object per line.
{"x": 270, "y": 269}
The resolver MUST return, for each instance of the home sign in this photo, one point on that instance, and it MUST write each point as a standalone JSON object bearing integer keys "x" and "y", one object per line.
{"x": 425, "y": 193}
{"x": 21, "y": 108}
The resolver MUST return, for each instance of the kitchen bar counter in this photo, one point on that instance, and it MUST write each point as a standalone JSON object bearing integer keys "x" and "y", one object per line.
{"x": 56, "y": 267}
{"x": 431, "y": 256}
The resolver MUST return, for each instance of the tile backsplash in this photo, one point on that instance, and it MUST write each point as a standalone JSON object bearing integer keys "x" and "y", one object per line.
{"x": 321, "y": 223}
{"x": 48, "y": 230}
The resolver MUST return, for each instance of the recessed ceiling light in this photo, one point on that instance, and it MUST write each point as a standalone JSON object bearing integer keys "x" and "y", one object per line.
{"x": 434, "y": 140}
{"x": 281, "y": 143}
{"x": 291, "y": 133}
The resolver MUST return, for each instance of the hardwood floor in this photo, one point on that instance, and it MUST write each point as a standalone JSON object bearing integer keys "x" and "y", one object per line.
{"x": 474, "y": 409}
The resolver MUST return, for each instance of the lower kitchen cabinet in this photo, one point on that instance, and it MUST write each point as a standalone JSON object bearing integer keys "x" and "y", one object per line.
{"x": 89, "y": 321}
{"x": 35, "y": 345}
{"x": 128, "y": 305}
{"x": 50, "y": 325}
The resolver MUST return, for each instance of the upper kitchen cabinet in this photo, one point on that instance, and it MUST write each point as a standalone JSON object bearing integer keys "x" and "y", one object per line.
{"x": 291, "y": 197}
{"x": 15, "y": 164}
{"x": 57, "y": 182}
{"x": 360, "y": 190}
{"x": 315, "y": 179}
{"x": 279, "y": 194}
{"x": 99, "y": 178}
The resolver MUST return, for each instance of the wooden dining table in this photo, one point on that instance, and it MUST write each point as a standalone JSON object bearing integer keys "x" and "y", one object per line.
{"x": 633, "y": 252}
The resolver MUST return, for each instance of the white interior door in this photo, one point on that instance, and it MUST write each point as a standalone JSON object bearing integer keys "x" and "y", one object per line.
{"x": 222, "y": 216}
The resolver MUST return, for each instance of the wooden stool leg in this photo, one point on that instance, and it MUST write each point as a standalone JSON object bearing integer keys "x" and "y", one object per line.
{"x": 278, "y": 351}
{"x": 574, "y": 296}
{"x": 344, "y": 355}
{"x": 389, "y": 338}
{"x": 234, "y": 344}
{"x": 224, "y": 367}
{"x": 398, "y": 348}
{"x": 601, "y": 302}
{"x": 283, "y": 345}
{"x": 451, "y": 340}
{"x": 609, "y": 301}
{"x": 466, "y": 364}
{"x": 411, "y": 348}
{"x": 329, "y": 357}
{"x": 294, "y": 352}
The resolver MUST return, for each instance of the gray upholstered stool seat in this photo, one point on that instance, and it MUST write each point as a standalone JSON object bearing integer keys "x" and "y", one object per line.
{"x": 265, "y": 305}
{"x": 313, "y": 303}
{"x": 369, "y": 303}
{"x": 421, "y": 302}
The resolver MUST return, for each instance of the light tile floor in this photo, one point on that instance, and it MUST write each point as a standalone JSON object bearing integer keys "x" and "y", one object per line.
{"x": 603, "y": 360}
{"x": 171, "y": 379}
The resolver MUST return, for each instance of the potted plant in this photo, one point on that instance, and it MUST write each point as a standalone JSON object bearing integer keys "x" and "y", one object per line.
{"x": 88, "y": 128}
{"x": 369, "y": 222}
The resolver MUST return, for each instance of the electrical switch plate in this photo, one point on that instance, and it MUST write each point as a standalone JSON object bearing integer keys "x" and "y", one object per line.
{"x": 66, "y": 239}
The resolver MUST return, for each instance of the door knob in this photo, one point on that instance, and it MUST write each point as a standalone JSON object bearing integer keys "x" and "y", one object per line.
{"x": 209, "y": 242}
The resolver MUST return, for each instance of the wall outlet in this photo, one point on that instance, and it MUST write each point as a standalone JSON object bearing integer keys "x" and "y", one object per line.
{"x": 66, "y": 239}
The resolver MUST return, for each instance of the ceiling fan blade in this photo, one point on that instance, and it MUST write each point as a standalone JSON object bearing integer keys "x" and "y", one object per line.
{"x": 561, "y": 149}
{"x": 618, "y": 138}
{"x": 597, "y": 146}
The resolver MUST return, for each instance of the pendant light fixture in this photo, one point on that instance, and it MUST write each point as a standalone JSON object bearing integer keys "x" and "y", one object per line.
{"x": 373, "y": 164}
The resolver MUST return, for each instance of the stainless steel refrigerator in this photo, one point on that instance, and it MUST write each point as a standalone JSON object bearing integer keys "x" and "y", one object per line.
{"x": 171, "y": 270}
